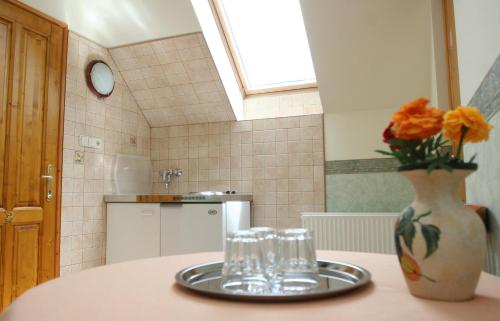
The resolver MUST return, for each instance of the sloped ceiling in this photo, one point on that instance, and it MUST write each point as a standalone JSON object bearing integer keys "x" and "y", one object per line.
{"x": 174, "y": 81}
{"x": 113, "y": 23}
{"x": 369, "y": 54}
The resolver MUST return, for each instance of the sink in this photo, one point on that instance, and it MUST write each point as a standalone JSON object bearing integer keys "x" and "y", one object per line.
{"x": 206, "y": 193}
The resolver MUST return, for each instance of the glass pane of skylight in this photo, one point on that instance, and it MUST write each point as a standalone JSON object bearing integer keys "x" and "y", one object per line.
{"x": 270, "y": 41}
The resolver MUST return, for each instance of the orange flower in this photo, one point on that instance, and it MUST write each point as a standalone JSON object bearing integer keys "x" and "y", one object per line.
{"x": 471, "y": 118}
{"x": 416, "y": 121}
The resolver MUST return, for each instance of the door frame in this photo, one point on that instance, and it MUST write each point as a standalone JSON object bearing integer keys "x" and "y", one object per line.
{"x": 58, "y": 167}
{"x": 453, "y": 70}
{"x": 452, "y": 55}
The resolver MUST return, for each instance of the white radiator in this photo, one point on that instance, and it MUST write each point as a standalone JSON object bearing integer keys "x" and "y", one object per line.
{"x": 366, "y": 232}
{"x": 357, "y": 232}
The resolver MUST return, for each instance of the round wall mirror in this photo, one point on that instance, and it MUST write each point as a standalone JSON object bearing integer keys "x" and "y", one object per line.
{"x": 100, "y": 78}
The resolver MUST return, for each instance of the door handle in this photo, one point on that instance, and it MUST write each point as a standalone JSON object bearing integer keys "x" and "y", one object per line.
{"x": 9, "y": 216}
{"x": 49, "y": 182}
{"x": 147, "y": 213}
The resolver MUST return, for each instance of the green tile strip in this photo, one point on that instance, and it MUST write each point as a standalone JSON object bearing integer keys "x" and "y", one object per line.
{"x": 487, "y": 96}
{"x": 356, "y": 166}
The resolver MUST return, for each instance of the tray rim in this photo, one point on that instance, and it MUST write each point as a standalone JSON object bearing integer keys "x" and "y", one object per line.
{"x": 273, "y": 298}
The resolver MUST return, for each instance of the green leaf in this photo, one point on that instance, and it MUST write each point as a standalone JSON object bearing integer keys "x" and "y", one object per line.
{"x": 431, "y": 235}
{"x": 399, "y": 249}
{"x": 405, "y": 227}
{"x": 383, "y": 152}
{"x": 406, "y": 218}
{"x": 472, "y": 158}
{"x": 432, "y": 166}
{"x": 408, "y": 235}
{"x": 422, "y": 215}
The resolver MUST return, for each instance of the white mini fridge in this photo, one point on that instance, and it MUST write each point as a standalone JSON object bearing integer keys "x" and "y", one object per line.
{"x": 199, "y": 227}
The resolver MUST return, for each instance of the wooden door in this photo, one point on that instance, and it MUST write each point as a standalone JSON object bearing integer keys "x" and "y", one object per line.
{"x": 30, "y": 146}
{"x": 6, "y": 35}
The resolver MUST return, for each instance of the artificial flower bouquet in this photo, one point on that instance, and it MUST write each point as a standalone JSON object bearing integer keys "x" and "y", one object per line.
{"x": 417, "y": 134}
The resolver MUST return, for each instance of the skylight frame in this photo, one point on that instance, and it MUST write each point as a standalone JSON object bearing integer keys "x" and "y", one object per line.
{"x": 237, "y": 64}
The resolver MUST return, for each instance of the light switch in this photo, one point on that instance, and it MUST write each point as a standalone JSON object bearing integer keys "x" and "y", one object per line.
{"x": 92, "y": 142}
{"x": 84, "y": 141}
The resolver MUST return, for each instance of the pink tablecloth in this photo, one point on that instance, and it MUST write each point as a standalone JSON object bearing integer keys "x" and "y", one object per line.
{"x": 145, "y": 290}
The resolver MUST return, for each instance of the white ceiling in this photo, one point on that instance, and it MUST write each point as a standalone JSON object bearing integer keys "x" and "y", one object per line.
{"x": 113, "y": 23}
{"x": 369, "y": 54}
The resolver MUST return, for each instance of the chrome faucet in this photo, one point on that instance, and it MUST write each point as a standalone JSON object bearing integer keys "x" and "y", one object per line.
{"x": 167, "y": 174}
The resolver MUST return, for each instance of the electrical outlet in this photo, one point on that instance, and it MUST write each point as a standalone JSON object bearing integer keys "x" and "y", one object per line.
{"x": 133, "y": 140}
{"x": 95, "y": 142}
{"x": 79, "y": 157}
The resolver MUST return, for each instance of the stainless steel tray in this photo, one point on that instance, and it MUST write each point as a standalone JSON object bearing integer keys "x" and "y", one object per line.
{"x": 335, "y": 278}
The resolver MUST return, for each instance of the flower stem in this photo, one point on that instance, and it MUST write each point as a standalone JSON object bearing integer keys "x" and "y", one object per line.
{"x": 417, "y": 219}
{"x": 461, "y": 141}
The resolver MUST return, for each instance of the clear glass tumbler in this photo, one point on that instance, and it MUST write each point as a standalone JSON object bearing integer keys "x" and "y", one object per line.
{"x": 268, "y": 243}
{"x": 244, "y": 264}
{"x": 296, "y": 265}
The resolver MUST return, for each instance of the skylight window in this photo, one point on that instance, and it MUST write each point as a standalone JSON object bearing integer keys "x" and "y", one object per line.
{"x": 268, "y": 42}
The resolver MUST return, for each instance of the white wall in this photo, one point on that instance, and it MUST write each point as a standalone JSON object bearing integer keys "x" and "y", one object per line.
{"x": 478, "y": 41}
{"x": 113, "y": 23}
{"x": 369, "y": 54}
{"x": 355, "y": 135}
{"x": 371, "y": 57}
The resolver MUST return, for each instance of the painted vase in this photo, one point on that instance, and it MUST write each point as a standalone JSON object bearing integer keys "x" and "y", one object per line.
{"x": 441, "y": 244}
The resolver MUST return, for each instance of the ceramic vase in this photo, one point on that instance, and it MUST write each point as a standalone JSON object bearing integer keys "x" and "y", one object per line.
{"x": 441, "y": 244}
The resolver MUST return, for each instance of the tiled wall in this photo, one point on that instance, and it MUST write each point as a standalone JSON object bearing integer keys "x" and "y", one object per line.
{"x": 366, "y": 185}
{"x": 283, "y": 105}
{"x": 174, "y": 81}
{"x": 280, "y": 161}
{"x": 368, "y": 192}
{"x": 115, "y": 119}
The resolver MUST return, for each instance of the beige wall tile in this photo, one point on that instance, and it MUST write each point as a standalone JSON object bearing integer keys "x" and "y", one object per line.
{"x": 282, "y": 174}
{"x": 114, "y": 119}
{"x": 175, "y": 84}
{"x": 177, "y": 72}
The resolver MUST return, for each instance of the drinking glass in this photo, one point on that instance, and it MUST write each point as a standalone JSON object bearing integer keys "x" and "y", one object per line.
{"x": 244, "y": 264}
{"x": 296, "y": 265}
{"x": 267, "y": 240}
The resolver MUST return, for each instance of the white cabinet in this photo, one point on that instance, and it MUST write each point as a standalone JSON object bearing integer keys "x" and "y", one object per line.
{"x": 141, "y": 230}
{"x": 133, "y": 231}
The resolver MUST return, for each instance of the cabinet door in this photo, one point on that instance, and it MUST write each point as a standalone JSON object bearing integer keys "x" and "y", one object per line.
{"x": 133, "y": 231}
{"x": 191, "y": 228}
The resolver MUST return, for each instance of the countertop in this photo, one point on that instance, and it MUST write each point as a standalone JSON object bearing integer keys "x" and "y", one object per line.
{"x": 145, "y": 290}
{"x": 173, "y": 198}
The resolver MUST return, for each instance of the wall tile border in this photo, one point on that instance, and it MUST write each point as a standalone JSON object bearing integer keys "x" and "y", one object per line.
{"x": 356, "y": 166}
{"x": 370, "y": 165}
{"x": 487, "y": 96}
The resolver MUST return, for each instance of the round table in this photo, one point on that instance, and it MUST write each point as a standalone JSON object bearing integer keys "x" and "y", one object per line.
{"x": 146, "y": 290}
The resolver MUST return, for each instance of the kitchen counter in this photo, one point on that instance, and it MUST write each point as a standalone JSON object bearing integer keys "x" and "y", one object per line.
{"x": 173, "y": 198}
